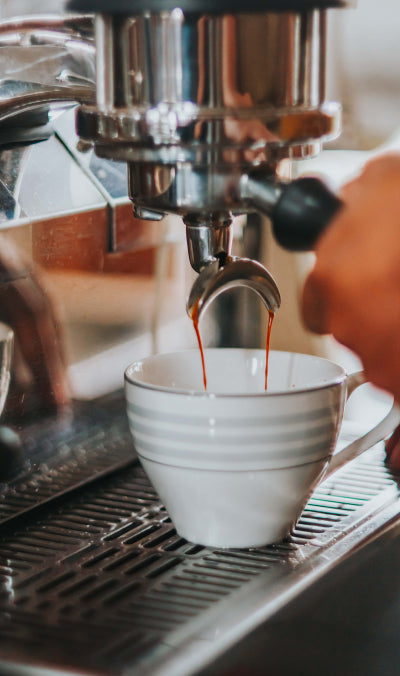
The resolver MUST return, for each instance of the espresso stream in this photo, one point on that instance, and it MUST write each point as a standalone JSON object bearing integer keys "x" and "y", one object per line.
{"x": 269, "y": 328}
{"x": 195, "y": 319}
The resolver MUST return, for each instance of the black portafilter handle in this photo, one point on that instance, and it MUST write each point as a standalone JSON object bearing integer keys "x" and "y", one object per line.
{"x": 304, "y": 209}
{"x": 299, "y": 210}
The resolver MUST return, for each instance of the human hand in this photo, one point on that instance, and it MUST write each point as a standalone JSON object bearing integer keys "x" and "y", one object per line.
{"x": 353, "y": 292}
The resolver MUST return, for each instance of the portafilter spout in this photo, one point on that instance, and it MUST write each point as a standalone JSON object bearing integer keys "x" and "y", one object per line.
{"x": 215, "y": 278}
{"x": 209, "y": 240}
{"x": 299, "y": 212}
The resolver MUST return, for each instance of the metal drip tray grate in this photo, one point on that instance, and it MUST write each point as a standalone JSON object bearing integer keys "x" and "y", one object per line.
{"x": 58, "y": 456}
{"x": 100, "y": 582}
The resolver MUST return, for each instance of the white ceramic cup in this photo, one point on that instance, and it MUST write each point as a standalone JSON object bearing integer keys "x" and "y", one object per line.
{"x": 234, "y": 466}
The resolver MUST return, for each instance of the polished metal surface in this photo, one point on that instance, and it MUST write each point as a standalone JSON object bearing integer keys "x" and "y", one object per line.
{"x": 209, "y": 238}
{"x": 189, "y": 189}
{"x": 262, "y": 192}
{"x": 73, "y": 449}
{"x": 21, "y": 97}
{"x": 43, "y": 180}
{"x": 215, "y": 278}
{"x": 191, "y": 102}
{"x": 55, "y": 180}
{"x": 232, "y": 83}
{"x": 47, "y": 59}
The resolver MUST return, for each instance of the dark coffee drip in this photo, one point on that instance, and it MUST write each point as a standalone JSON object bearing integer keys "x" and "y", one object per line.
{"x": 270, "y": 320}
{"x": 195, "y": 319}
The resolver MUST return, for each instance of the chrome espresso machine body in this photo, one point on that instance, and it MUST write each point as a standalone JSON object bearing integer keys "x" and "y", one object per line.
{"x": 207, "y": 102}
{"x": 203, "y": 104}
{"x": 204, "y": 107}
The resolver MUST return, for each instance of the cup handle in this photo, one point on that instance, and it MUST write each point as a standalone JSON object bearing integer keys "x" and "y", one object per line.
{"x": 382, "y": 430}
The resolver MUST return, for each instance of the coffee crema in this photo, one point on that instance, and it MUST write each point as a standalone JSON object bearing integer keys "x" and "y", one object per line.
{"x": 195, "y": 319}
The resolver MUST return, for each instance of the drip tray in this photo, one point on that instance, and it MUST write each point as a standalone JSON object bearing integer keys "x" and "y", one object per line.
{"x": 95, "y": 580}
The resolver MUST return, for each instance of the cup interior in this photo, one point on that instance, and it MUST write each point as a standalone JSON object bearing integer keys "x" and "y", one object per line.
{"x": 233, "y": 371}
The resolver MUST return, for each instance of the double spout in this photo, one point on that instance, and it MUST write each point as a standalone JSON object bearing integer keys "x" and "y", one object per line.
{"x": 209, "y": 246}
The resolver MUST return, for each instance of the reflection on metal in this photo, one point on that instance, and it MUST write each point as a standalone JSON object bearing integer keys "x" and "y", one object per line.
{"x": 199, "y": 81}
{"x": 209, "y": 238}
{"x": 26, "y": 96}
{"x": 19, "y": 30}
{"x": 214, "y": 279}
{"x": 125, "y": 229}
{"x": 198, "y": 101}
{"x": 45, "y": 60}
{"x": 193, "y": 101}
{"x": 55, "y": 181}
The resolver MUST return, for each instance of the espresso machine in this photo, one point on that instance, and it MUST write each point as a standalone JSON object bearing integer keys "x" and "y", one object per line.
{"x": 205, "y": 105}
